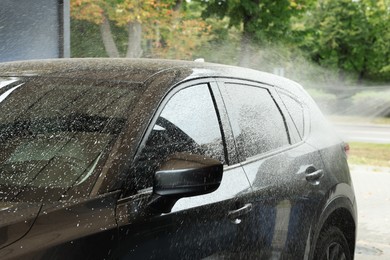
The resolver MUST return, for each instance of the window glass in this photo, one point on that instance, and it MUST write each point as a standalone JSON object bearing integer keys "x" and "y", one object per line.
{"x": 295, "y": 110}
{"x": 53, "y": 133}
{"x": 257, "y": 124}
{"x": 188, "y": 123}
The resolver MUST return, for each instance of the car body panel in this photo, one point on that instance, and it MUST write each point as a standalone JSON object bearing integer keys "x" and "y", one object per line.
{"x": 16, "y": 220}
{"x": 83, "y": 229}
{"x": 205, "y": 230}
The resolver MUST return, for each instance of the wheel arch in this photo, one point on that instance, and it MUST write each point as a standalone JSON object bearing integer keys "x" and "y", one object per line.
{"x": 341, "y": 213}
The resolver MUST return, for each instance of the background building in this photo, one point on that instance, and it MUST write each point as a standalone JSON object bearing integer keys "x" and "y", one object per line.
{"x": 36, "y": 29}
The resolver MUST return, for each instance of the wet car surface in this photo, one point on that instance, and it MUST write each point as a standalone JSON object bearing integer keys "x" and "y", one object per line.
{"x": 153, "y": 159}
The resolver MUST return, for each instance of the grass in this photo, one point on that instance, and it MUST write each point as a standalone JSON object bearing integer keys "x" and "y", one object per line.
{"x": 369, "y": 154}
{"x": 381, "y": 120}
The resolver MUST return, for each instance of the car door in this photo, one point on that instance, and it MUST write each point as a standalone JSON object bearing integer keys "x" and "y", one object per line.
{"x": 284, "y": 172}
{"x": 193, "y": 227}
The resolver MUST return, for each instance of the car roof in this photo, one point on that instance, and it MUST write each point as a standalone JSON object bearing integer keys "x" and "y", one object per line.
{"x": 134, "y": 70}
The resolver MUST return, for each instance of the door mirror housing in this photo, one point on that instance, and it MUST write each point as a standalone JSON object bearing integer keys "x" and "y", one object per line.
{"x": 185, "y": 175}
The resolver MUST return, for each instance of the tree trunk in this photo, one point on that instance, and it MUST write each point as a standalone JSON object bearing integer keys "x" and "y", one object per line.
{"x": 247, "y": 37}
{"x": 108, "y": 40}
{"x": 134, "y": 49}
{"x": 362, "y": 73}
{"x": 178, "y": 5}
{"x": 245, "y": 53}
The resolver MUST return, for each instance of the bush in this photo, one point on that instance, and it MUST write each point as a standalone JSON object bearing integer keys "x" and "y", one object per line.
{"x": 371, "y": 103}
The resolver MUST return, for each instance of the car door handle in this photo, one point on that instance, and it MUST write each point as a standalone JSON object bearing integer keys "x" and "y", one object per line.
{"x": 235, "y": 215}
{"x": 312, "y": 174}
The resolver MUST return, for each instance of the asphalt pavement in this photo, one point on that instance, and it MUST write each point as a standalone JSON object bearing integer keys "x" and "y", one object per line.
{"x": 368, "y": 133}
{"x": 372, "y": 188}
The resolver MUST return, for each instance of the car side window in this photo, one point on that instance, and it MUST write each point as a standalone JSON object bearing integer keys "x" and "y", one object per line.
{"x": 188, "y": 123}
{"x": 257, "y": 123}
{"x": 295, "y": 109}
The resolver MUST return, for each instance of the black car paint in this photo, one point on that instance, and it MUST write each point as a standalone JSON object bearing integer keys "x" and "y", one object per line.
{"x": 283, "y": 211}
{"x": 63, "y": 230}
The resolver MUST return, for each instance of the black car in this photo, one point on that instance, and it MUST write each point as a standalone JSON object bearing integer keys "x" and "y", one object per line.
{"x": 153, "y": 159}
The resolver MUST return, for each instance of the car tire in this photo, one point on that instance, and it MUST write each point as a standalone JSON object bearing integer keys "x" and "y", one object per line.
{"x": 332, "y": 245}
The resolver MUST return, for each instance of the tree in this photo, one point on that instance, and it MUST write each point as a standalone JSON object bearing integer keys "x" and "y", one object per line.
{"x": 95, "y": 11}
{"x": 377, "y": 57}
{"x": 261, "y": 20}
{"x": 352, "y": 36}
{"x": 128, "y": 13}
{"x": 166, "y": 29}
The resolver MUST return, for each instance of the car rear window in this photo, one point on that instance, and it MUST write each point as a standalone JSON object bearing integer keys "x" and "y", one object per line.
{"x": 295, "y": 109}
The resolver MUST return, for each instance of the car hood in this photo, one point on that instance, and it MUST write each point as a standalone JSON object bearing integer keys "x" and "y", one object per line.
{"x": 16, "y": 219}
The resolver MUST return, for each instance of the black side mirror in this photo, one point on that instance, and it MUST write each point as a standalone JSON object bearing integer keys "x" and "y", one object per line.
{"x": 184, "y": 175}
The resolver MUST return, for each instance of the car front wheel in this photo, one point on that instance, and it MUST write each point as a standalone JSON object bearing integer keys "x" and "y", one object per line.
{"x": 332, "y": 245}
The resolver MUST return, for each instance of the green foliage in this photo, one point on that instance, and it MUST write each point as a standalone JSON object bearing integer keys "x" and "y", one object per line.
{"x": 261, "y": 21}
{"x": 224, "y": 46}
{"x": 85, "y": 40}
{"x": 352, "y": 36}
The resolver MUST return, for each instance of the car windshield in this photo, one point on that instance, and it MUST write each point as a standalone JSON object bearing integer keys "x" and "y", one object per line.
{"x": 54, "y": 131}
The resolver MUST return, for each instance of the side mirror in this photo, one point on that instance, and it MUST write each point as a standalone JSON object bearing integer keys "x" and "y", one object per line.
{"x": 184, "y": 175}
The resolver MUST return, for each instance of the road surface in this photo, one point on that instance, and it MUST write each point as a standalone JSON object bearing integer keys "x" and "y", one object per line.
{"x": 367, "y": 133}
{"x": 373, "y": 200}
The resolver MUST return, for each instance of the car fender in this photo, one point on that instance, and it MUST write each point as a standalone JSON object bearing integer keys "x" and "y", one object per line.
{"x": 340, "y": 198}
